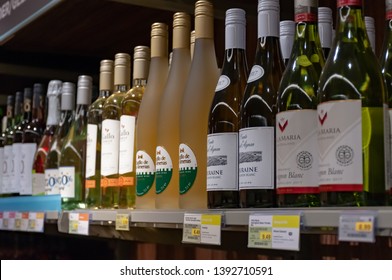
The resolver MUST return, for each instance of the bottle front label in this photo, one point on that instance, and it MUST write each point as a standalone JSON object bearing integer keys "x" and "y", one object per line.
{"x": 256, "y": 73}
{"x": 306, "y": 10}
{"x": 340, "y": 146}
{"x": 256, "y": 158}
{"x": 38, "y": 183}
{"x": 110, "y": 147}
{"x": 223, "y": 83}
{"x": 145, "y": 173}
{"x": 91, "y": 149}
{"x": 164, "y": 168}
{"x": 7, "y": 163}
{"x": 16, "y": 163}
{"x": 67, "y": 187}
{"x": 296, "y": 152}
{"x": 222, "y": 162}
{"x": 188, "y": 168}
{"x": 127, "y": 143}
{"x": 27, "y": 160}
{"x": 52, "y": 181}
{"x": 342, "y": 3}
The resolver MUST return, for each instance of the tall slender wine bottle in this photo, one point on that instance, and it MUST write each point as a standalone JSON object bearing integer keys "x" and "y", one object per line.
{"x": 32, "y": 135}
{"x": 286, "y": 38}
{"x": 296, "y": 122}
{"x": 7, "y": 162}
{"x": 167, "y": 172}
{"x": 371, "y": 32}
{"x": 386, "y": 67}
{"x": 52, "y": 121}
{"x": 73, "y": 150}
{"x": 147, "y": 124}
{"x": 94, "y": 133}
{"x": 110, "y": 138}
{"x": 325, "y": 26}
{"x": 52, "y": 162}
{"x": 195, "y": 108}
{"x": 258, "y": 110}
{"x": 18, "y": 137}
{"x": 223, "y": 123}
{"x": 352, "y": 113}
{"x": 130, "y": 110}
{"x": 14, "y": 186}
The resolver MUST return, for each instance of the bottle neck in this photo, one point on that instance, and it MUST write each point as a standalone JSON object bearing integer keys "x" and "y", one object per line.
{"x": 104, "y": 93}
{"x": 53, "y": 111}
{"x": 268, "y": 23}
{"x": 235, "y": 36}
{"x": 121, "y": 88}
{"x": 38, "y": 107}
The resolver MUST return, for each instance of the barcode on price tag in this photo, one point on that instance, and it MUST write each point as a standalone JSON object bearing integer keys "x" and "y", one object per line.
{"x": 78, "y": 223}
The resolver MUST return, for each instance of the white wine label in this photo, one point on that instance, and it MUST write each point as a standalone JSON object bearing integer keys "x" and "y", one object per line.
{"x": 7, "y": 163}
{"x": 67, "y": 187}
{"x": 222, "y": 162}
{"x": 1, "y": 168}
{"x": 223, "y": 83}
{"x": 256, "y": 158}
{"x": 52, "y": 181}
{"x": 16, "y": 155}
{"x": 127, "y": 144}
{"x": 340, "y": 146}
{"x": 145, "y": 173}
{"x": 27, "y": 159}
{"x": 109, "y": 147}
{"x": 296, "y": 152}
{"x": 188, "y": 168}
{"x": 91, "y": 149}
{"x": 256, "y": 73}
{"x": 38, "y": 183}
{"x": 164, "y": 166}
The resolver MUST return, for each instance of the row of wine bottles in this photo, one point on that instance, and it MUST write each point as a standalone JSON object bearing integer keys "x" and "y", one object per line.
{"x": 309, "y": 133}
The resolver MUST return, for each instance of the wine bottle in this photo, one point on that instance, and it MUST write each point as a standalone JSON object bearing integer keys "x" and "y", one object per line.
{"x": 52, "y": 121}
{"x": 147, "y": 124}
{"x": 130, "y": 109}
{"x": 192, "y": 46}
{"x": 325, "y": 29}
{"x": 371, "y": 32}
{"x": 2, "y": 140}
{"x": 167, "y": 173}
{"x": 7, "y": 161}
{"x": 14, "y": 186}
{"x": 286, "y": 38}
{"x": 223, "y": 123}
{"x": 52, "y": 162}
{"x": 94, "y": 132}
{"x": 197, "y": 99}
{"x": 352, "y": 110}
{"x": 73, "y": 150}
{"x": 31, "y": 138}
{"x": 386, "y": 68}
{"x": 110, "y": 140}
{"x": 296, "y": 121}
{"x": 258, "y": 110}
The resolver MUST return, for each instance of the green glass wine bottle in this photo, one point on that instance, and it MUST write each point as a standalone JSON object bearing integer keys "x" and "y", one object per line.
{"x": 351, "y": 115}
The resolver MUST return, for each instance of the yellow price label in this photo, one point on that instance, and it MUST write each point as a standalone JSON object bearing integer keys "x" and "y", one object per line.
{"x": 122, "y": 222}
{"x": 363, "y": 226}
{"x": 195, "y": 232}
{"x": 266, "y": 235}
{"x": 18, "y": 224}
{"x": 74, "y": 226}
{"x": 31, "y": 224}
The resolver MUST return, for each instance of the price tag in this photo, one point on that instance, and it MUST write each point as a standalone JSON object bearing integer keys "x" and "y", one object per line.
{"x": 202, "y": 228}
{"x": 21, "y": 221}
{"x": 357, "y": 227}
{"x": 270, "y": 231}
{"x": 1, "y": 220}
{"x": 36, "y": 221}
{"x": 78, "y": 223}
{"x": 9, "y": 220}
{"x": 122, "y": 222}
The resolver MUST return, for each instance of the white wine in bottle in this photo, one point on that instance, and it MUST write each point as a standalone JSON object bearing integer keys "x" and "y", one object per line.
{"x": 352, "y": 114}
{"x": 195, "y": 109}
{"x": 167, "y": 173}
{"x": 147, "y": 124}
{"x": 224, "y": 118}
{"x": 130, "y": 110}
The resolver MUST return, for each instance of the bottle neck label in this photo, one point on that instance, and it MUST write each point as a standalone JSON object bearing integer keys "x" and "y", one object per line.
{"x": 342, "y": 3}
{"x": 388, "y": 13}
{"x": 306, "y": 10}
{"x": 268, "y": 24}
{"x": 235, "y": 36}
{"x": 53, "y": 111}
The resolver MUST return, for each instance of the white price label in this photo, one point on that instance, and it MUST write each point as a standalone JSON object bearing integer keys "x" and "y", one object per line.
{"x": 202, "y": 228}
{"x": 36, "y": 221}
{"x": 122, "y": 222}
{"x": 21, "y": 221}
{"x": 78, "y": 223}
{"x": 9, "y": 220}
{"x": 281, "y": 232}
{"x": 357, "y": 228}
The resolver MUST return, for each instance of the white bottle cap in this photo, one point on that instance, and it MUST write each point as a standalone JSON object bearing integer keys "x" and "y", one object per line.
{"x": 371, "y": 31}
{"x": 286, "y": 38}
{"x": 268, "y": 18}
{"x": 54, "y": 88}
{"x": 235, "y": 35}
{"x": 85, "y": 88}
{"x": 325, "y": 26}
